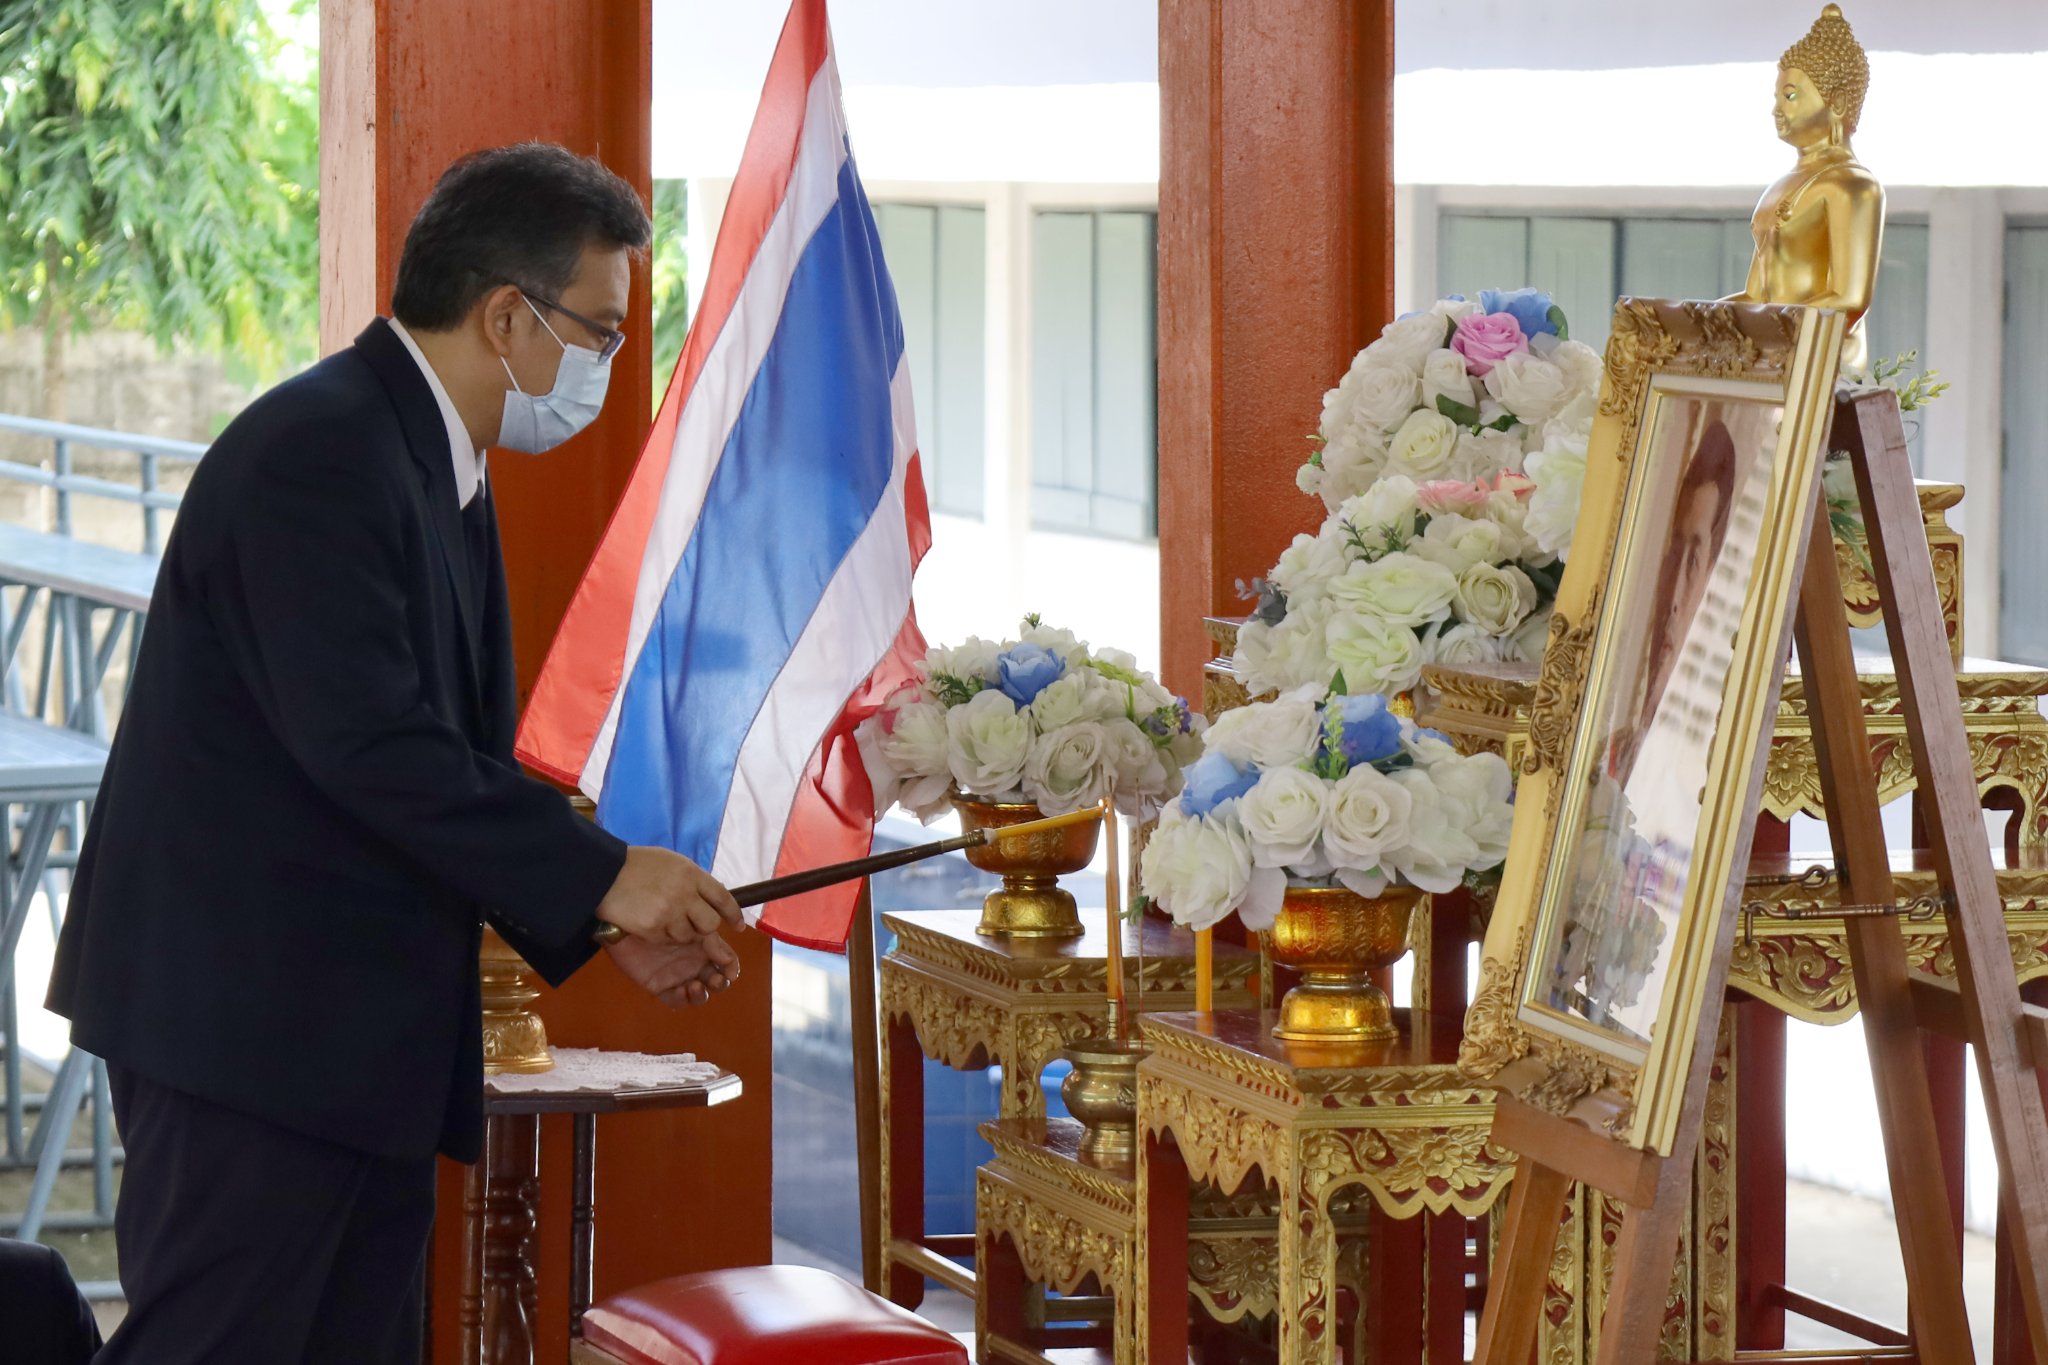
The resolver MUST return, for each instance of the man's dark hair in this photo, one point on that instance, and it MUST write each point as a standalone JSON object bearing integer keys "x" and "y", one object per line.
{"x": 519, "y": 215}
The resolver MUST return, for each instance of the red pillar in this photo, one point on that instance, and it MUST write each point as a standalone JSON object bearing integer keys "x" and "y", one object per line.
{"x": 1276, "y": 263}
{"x": 406, "y": 87}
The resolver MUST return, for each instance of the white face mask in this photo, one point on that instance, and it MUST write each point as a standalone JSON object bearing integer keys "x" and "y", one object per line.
{"x": 533, "y": 423}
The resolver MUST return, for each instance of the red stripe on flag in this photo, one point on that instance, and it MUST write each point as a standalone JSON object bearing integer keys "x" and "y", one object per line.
{"x": 833, "y": 816}
{"x": 586, "y": 662}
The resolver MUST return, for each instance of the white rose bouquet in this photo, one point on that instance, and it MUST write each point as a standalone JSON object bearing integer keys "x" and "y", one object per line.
{"x": 1042, "y": 718}
{"x": 1450, "y": 461}
{"x": 1306, "y": 790}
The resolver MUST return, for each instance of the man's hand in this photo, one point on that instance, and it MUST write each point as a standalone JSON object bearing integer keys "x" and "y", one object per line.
{"x": 663, "y": 896}
{"x": 678, "y": 974}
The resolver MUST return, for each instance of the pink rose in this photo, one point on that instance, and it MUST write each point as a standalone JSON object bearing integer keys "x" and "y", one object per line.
{"x": 1508, "y": 481}
{"x": 908, "y": 691}
{"x": 1450, "y": 495}
{"x": 1486, "y": 339}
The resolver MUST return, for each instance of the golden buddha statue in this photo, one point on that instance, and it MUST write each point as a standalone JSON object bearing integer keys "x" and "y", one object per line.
{"x": 1818, "y": 228}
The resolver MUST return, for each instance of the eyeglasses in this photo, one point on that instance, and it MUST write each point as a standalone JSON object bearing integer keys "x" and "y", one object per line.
{"x": 613, "y": 338}
{"x": 610, "y": 337}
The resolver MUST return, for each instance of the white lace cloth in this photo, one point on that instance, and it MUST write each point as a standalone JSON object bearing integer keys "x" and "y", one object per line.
{"x": 580, "y": 1069}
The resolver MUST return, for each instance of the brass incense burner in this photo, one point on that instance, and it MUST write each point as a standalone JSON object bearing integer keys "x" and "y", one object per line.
{"x": 1030, "y": 902}
{"x": 515, "y": 1039}
{"x": 1102, "y": 1092}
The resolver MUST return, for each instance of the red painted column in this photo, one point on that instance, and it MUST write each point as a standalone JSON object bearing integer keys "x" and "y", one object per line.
{"x": 406, "y": 87}
{"x": 1276, "y": 263}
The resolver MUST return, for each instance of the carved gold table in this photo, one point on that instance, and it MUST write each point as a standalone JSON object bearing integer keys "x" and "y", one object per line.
{"x": 973, "y": 1002}
{"x": 1049, "y": 1217}
{"x": 1220, "y": 1098}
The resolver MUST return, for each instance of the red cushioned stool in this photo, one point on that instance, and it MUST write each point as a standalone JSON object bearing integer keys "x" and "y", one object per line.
{"x": 761, "y": 1315}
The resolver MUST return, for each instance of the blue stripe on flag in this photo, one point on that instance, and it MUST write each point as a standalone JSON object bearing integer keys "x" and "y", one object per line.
{"x": 801, "y": 476}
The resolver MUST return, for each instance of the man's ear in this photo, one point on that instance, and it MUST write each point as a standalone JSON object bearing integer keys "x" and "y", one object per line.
{"x": 500, "y": 311}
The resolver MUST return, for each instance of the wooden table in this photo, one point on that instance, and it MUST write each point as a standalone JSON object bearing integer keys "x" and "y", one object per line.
{"x": 973, "y": 1002}
{"x": 502, "y": 1193}
{"x": 1220, "y": 1098}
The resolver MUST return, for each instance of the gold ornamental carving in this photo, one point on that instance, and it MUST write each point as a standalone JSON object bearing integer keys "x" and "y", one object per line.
{"x": 1637, "y": 344}
{"x": 1453, "y": 1168}
{"x": 1235, "y": 1277}
{"x": 1057, "y": 1251}
{"x": 953, "y": 1028}
{"x": 1220, "y": 1144}
{"x": 1714, "y": 1206}
{"x": 1492, "y": 1041}
{"x": 1554, "y": 706}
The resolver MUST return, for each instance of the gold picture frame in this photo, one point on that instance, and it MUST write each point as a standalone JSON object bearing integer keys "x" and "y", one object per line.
{"x": 1647, "y": 728}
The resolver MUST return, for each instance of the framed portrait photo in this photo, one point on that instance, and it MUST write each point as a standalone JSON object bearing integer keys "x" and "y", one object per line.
{"x": 1652, "y": 709}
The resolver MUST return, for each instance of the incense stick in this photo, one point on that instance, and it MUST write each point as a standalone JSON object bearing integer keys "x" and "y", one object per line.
{"x": 817, "y": 878}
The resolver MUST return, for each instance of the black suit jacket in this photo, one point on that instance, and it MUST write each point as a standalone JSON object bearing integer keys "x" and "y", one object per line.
{"x": 311, "y": 804}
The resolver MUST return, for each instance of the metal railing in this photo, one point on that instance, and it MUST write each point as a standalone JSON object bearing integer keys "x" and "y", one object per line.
{"x": 146, "y": 494}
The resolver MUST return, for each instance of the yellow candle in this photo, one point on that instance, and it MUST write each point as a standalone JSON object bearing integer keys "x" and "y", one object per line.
{"x": 1205, "y": 970}
{"x": 1113, "y": 898}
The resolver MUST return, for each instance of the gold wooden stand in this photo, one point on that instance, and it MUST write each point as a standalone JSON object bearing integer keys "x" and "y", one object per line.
{"x": 1982, "y": 1006}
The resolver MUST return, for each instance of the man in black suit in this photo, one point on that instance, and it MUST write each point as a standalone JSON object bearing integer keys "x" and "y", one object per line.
{"x": 311, "y": 806}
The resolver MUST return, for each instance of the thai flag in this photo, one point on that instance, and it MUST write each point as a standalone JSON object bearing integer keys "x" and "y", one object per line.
{"x": 750, "y": 602}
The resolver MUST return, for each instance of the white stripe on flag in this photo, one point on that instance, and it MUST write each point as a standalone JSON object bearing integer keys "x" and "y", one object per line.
{"x": 713, "y": 408}
{"x": 857, "y": 619}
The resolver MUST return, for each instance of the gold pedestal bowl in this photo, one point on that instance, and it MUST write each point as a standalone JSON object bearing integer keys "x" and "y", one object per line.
{"x": 1029, "y": 903}
{"x": 1336, "y": 938}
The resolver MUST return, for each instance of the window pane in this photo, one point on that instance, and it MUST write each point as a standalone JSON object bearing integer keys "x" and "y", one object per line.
{"x": 1671, "y": 258}
{"x": 1125, "y": 407}
{"x": 1573, "y": 260}
{"x": 958, "y": 435}
{"x": 1475, "y": 253}
{"x": 1094, "y": 396}
{"x": 2023, "y": 550}
{"x": 937, "y": 263}
{"x": 1738, "y": 248}
{"x": 1063, "y": 351}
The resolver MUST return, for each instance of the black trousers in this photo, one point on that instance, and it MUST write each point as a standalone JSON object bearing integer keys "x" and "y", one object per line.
{"x": 241, "y": 1241}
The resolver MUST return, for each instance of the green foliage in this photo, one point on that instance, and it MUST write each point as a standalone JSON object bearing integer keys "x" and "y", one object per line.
{"x": 670, "y": 273}
{"x": 952, "y": 690}
{"x": 158, "y": 173}
{"x": 1915, "y": 392}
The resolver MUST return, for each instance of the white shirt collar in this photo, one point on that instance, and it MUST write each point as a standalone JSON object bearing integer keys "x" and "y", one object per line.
{"x": 469, "y": 464}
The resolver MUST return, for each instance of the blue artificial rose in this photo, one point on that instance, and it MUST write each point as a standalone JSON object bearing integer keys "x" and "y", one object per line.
{"x": 1026, "y": 670}
{"x": 1211, "y": 780}
{"x": 1529, "y": 307}
{"x": 1361, "y": 730}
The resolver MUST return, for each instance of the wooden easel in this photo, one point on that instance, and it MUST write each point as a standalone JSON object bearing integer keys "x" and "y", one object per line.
{"x": 1981, "y": 1006}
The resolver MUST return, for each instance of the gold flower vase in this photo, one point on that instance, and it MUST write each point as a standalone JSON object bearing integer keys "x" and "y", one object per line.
{"x": 1102, "y": 1092}
{"x": 1336, "y": 939}
{"x": 1029, "y": 903}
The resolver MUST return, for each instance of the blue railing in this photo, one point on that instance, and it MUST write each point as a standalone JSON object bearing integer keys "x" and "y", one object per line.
{"x": 146, "y": 493}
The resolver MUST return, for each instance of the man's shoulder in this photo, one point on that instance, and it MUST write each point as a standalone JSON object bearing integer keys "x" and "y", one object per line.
{"x": 338, "y": 400}
{"x": 331, "y": 424}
